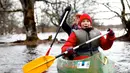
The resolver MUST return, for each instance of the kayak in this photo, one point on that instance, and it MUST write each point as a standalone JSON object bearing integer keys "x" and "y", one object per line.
{"x": 97, "y": 63}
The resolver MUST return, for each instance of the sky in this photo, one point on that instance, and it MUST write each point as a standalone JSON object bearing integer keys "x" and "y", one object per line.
{"x": 104, "y": 16}
{"x": 116, "y": 6}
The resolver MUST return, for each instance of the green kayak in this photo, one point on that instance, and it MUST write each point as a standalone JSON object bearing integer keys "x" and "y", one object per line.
{"x": 97, "y": 63}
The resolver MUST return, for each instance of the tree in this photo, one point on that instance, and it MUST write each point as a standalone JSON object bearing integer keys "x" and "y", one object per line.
{"x": 4, "y": 20}
{"x": 29, "y": 22}
{"x": 122, "y": 15}
{"x": 125, "y": 22}
{"x": 54, "y": 9}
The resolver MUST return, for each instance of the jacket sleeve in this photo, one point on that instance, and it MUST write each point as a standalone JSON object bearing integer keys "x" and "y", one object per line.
{"x": 71, "y": 42}
{"x": 106, "y": 43}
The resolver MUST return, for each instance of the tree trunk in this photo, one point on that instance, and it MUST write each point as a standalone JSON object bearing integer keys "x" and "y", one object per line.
{"x": 29, "y": 21}
{"x": 128, "y": 28}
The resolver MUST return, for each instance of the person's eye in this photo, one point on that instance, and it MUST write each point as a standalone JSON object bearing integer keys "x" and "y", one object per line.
{"x": 87, "y": 20}
{"x": 83, "y": 20}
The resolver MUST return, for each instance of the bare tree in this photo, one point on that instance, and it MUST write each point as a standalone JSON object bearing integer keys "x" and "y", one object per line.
{"x": 55, "y": 9}
{"x": 29, "y": 22}
{"x": 122, "y": 15}
{"x": 4, "y": 20}
{"x": 125, "y": 22}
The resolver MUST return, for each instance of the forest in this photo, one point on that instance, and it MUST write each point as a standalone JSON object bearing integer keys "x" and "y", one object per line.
{"x": 25, "y": 16}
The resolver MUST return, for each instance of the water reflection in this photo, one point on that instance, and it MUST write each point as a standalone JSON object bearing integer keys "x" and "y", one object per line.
{"x": 120, "y": 54}
{"x": 123, "y": 64}
{"x": 31, "y": 52}
{"x": 31, "y": 49}
{"x": 11, "y": 58}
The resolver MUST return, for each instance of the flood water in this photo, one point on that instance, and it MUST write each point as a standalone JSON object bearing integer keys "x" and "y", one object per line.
{"x": 13, "y": 57}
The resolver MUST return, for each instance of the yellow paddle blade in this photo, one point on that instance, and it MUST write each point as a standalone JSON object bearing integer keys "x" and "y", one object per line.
{"x": 39, "y": 65}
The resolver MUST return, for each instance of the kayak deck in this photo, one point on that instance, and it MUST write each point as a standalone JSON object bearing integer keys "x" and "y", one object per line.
{"x": 97, "y": 63}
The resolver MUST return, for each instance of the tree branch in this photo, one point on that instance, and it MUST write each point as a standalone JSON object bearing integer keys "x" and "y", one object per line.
{"x": 111, "y": 9}
{"x": 46, "y": 1}
{"x": 128, "y": 4}
{"x": 9, "y": 11}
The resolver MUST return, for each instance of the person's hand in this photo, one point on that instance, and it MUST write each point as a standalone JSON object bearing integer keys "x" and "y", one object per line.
{"x": 111, "y": 33}
{"x": 70, "y": 51}
{"x": 68, "y": 8}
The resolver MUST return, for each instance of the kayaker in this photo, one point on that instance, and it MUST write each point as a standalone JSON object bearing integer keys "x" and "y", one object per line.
{"x": 67, "y": 28}
{"x": 85, "y": 33}
{"x": 76, "y": 20}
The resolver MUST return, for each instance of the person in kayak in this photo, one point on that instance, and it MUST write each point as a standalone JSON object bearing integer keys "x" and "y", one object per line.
{"x": 85, "y": 33}
{"x": 76, "y": 20}
{"x": 67, "y": 27}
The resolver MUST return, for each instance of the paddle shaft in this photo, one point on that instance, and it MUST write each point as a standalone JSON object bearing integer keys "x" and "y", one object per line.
{"x": 84, "y": 43}
{"x": 66, "y": 13}
{"x": 59, "y": 27}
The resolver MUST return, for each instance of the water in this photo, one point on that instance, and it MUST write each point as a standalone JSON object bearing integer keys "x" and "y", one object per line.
{"x": 12, "y": 58}
{"x": 119, "y": 53}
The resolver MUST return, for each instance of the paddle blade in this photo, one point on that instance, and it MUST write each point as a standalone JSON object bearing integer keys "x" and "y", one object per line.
{"x": 38, "y": 65}
{"x": 48, "y": 52}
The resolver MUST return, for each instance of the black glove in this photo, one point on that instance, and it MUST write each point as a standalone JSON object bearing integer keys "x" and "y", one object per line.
{"x": 68, "y": 8}
{"x": 111, "y": 33}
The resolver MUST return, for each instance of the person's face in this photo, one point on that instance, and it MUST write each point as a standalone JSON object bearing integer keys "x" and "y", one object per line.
{"x": 76, "y": 19}
{"x": 86, "y": 24}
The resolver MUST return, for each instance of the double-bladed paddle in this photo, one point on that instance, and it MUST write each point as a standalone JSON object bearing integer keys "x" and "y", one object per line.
{"x": 42, "y": 63}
